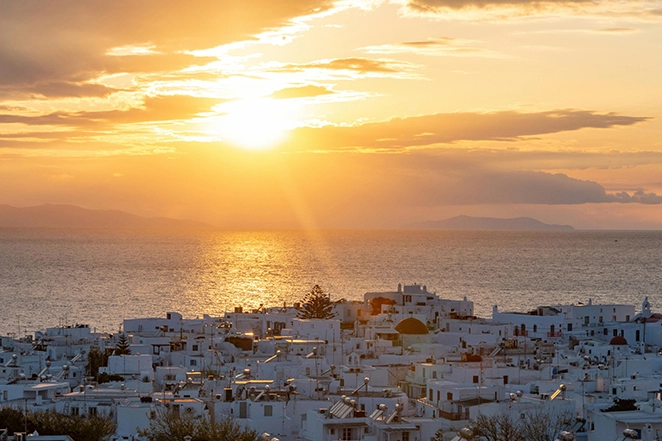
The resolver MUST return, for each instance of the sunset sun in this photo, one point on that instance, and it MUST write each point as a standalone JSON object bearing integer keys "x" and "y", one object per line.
{"x": 256, "y": 124}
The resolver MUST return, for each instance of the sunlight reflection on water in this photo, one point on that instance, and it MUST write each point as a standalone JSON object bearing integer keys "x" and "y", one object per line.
{"x": 102, "y": 276}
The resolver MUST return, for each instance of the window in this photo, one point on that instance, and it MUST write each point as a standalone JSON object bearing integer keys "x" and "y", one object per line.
{"x": 405, "y": 436}
{"x": 268, "y": 410}
{"x": 93, "y": 411}
{"x": 449, "y": 396}
{"x": 75, "y": 410}
{"x": 430, "y": 394}
{"x": 475, "y": 379}
{"x": 193, "y": 363}
{"x": 627, "y": 318}
{"x": 434, "y": 374}
{"x": 637, "y": 336}
{"x": 600, "y": 319}
{"x": 195, "y": 347}
{"x": 346, "y": 433}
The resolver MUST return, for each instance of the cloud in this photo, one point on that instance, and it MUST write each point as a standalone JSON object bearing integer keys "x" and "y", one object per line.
{"x": 529, "y": 187}
{"x": 452, "y": 178}
{"x": 435, "y": 6}
{"x": 402, "y": 133}
{"x": 157, "y": 108}
{"x": 55, "y": 89}
{"x": 618, "y": 30}
{"x": 442, "y": 46}
{"x": 66, "y": 41}
{"x": 514, "y": 9}
{"x": 523, "y": 187}
{"x": 638, "y": 196}
{"x": 361, "y": 65}
{"x": 301, "y": 92}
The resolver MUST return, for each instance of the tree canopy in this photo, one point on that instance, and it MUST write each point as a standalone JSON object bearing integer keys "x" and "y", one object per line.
{"x": 168, "y": 426}
{"x": 534, "y": 425}
{"x": 316, "y": 305}
{"x": 122, "y": 346}
{"x": 78, "y": 427}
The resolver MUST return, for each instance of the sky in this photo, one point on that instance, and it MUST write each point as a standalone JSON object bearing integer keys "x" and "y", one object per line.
{"x": 347, "y": 114}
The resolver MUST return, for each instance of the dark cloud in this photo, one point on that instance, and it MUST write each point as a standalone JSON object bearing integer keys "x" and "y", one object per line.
{"x": 455, "y": 178}
{"x": 529, "y": 187}
{"x": 639, "y": 196}
{"x": 69, "y": 41}
{"x": 400, "y": 133}
{"x": 519, "y": 187}
{"x": 362, "y": 65}
{"x": 301, "y": 92}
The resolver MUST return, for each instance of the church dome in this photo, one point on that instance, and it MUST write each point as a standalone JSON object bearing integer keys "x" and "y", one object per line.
{"x": 411, "y": 326}
{"x": 618, "y": 341}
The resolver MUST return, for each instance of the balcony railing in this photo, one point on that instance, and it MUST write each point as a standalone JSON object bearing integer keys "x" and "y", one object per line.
{"x": 454, "y": 416}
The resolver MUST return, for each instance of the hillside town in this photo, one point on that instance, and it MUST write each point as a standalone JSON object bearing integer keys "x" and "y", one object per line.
{"x": 405, "y": 365}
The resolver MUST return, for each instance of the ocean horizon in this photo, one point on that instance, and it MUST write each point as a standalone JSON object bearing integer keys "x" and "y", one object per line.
{"x": 51, "y": 277}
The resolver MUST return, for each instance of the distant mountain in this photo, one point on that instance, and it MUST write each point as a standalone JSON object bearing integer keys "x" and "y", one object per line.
{"x": 489, "y": 223}
{"x": 58, "y": 216}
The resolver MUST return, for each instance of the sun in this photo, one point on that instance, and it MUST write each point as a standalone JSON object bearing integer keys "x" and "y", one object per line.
{"x": 254, "y": 124}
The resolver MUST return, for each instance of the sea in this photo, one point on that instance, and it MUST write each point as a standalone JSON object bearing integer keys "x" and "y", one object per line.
{"x": 52, "y": 277}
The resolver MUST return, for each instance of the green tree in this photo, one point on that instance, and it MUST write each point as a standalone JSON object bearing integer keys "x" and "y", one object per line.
{"x": 78, "y": 427}
{"x": 621, "y": 405}
{"x": 14, "y": 420}
{"x": 96, "y": 358}
{"x": 122, "y": 346}
{"x": 168, "y": 426}
{"x": 316, "y": 305}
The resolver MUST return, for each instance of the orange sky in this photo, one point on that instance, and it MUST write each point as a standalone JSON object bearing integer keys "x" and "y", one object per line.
{"x": 310, "y": 113}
